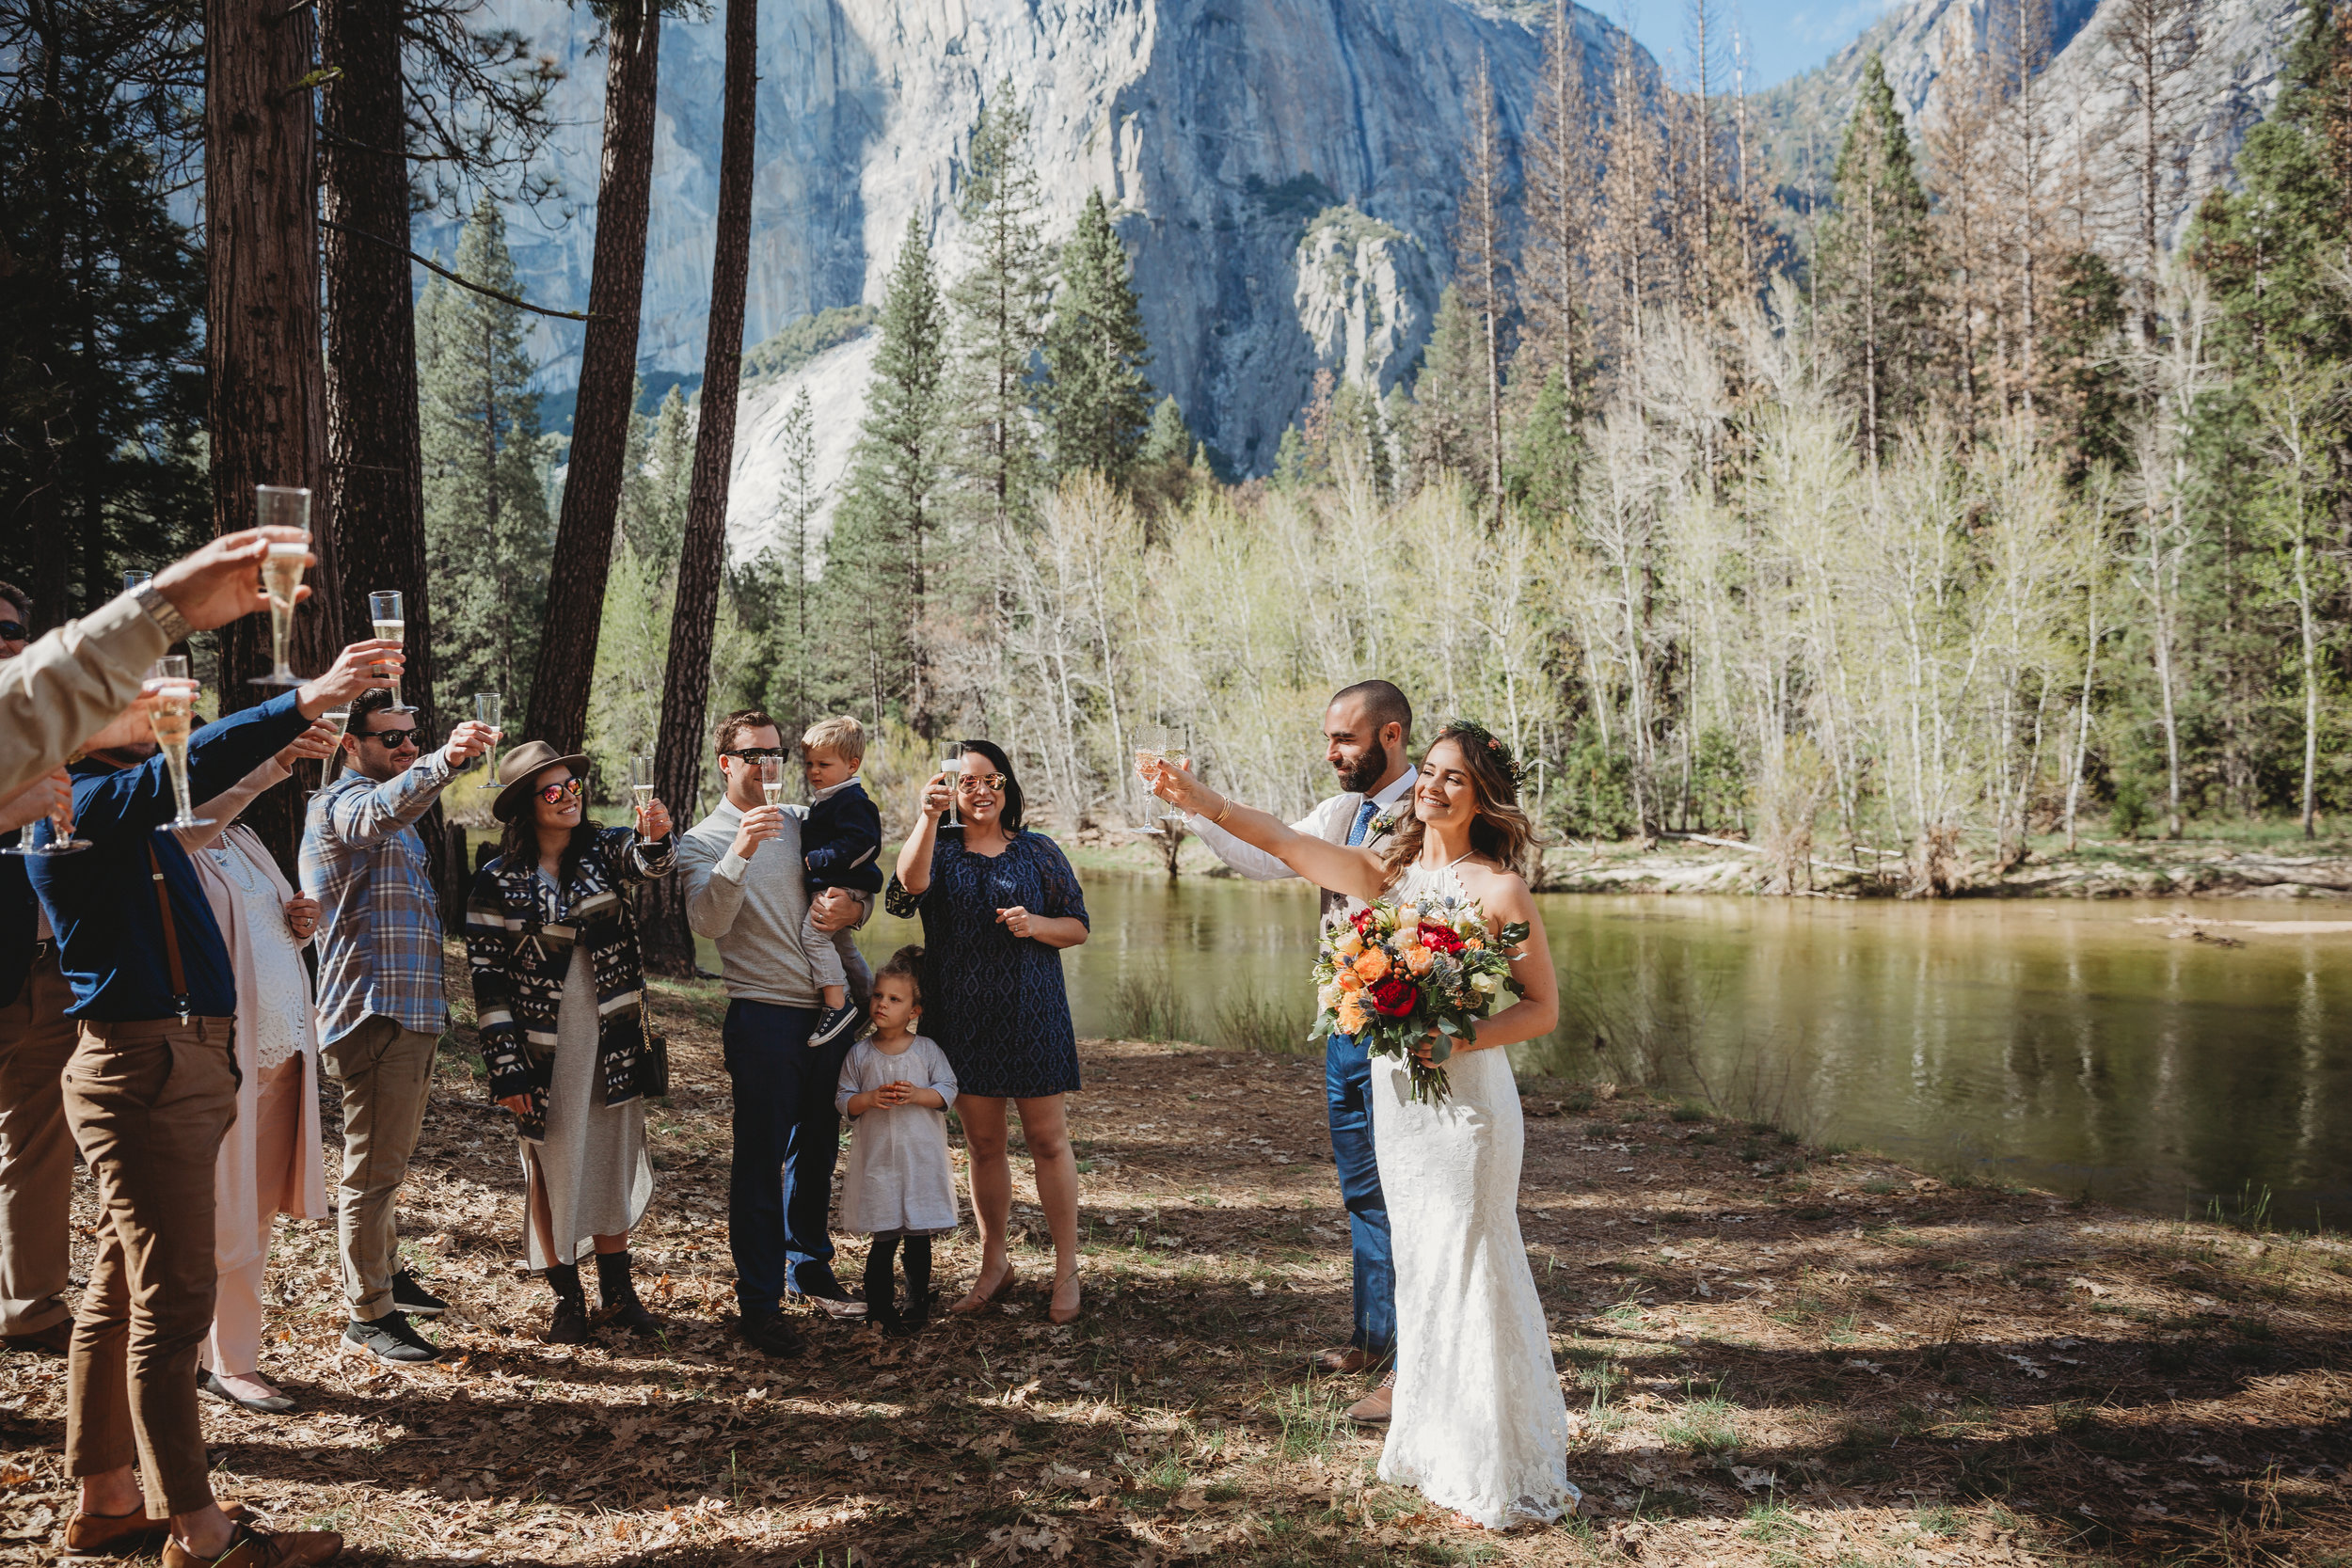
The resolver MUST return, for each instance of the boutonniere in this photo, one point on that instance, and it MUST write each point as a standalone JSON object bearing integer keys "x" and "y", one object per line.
{"x": 1384, "y": 823}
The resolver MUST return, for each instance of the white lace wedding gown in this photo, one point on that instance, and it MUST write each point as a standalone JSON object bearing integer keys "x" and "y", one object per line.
{"x": 1479, "y": 1424}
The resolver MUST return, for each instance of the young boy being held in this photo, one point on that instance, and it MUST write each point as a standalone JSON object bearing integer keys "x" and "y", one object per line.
{"x": 842, "y": 848}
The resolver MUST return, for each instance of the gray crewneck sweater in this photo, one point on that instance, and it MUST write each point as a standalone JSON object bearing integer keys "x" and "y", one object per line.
{"x": 750, "y": 908}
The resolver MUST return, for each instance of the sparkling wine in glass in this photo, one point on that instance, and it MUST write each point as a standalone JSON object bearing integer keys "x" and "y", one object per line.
{"x": 771, "y": 780}
{"x": 279, "y": 506}
{"x": 391, "y": 618}
{"x": 61, "y": 840}
{"x": 173, "y": 717}
{"x": 341, "y": 719}
{"x": 951, "y": 765}
{"x": 489, "y": 711}
{"x": 641, "y": 780}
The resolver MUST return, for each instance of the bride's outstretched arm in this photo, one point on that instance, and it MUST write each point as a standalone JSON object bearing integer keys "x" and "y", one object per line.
{"x": 1352, "y": 871}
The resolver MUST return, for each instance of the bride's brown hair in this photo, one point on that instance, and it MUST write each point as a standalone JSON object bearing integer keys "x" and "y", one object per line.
{"x": 1502, "y": 832}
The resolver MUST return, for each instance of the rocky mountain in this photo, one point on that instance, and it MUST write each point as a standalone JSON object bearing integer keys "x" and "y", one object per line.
{"x": 2227, "y": 82}
{"x": 1285, "y": 173}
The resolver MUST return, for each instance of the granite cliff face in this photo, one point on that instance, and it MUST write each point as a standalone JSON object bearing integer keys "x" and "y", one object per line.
{"x": 1225, "y": 133}
{"x": 2227, "y": 82}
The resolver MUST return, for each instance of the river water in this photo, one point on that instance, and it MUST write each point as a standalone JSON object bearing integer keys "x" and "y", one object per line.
{"x": 2065, "y": 1044}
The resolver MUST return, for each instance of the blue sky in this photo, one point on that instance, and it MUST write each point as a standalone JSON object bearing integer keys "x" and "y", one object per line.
{"x": 1784, "y": 37}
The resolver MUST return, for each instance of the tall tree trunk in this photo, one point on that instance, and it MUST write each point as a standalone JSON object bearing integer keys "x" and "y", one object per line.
{"x": 608, "y": 379}
{"x": 686, "y": 689}
{"x": 266, "y": 393}
{"x": 375, "y": 468}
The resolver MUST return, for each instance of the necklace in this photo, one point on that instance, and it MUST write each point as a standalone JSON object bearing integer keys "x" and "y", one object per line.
{"x": 233, "y": 862}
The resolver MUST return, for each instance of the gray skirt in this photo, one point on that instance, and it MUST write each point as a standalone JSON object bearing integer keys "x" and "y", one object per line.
{"x": 592, "y": 1166}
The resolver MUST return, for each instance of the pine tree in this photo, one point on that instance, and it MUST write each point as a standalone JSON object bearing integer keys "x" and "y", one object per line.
{"x": 1450, "y": 394}
{"x": 1874, "y": 265}
{"x": 876, "y": 575}
{"x": 1094, "y": 398}
{"x": 789, "y": 603}
{"x": 1484, "y": 271}
{"x": 485, "y": 510}
{"x": 999, "y": 315}
{"x": 669, "y": 471}
{"x": 1559, "y": 206}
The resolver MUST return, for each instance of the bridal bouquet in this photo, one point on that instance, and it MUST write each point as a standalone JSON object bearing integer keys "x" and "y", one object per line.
{"x": 1398, "y": 973}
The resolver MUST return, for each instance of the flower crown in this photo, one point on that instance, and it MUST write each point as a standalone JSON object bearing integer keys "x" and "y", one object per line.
{"x": 1471, "y": 732}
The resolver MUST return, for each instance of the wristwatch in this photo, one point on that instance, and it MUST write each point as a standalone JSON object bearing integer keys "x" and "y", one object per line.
{"x": 160, "y": 610}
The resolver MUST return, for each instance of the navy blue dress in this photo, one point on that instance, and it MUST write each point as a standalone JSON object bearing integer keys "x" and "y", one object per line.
{"x": 995, "y": 1002}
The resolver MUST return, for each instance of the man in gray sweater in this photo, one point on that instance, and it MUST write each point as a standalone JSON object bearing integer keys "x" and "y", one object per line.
{"x": 747, "y": 891}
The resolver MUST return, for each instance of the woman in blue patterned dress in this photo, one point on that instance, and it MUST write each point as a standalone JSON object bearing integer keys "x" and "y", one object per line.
{"x": 999, "y": 903}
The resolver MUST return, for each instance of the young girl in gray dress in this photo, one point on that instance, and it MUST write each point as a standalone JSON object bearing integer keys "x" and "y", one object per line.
{"x": 899, "y": 1188}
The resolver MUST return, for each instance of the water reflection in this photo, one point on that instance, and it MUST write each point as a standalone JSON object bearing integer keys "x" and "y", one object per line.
{"x": 2053, "y": 1042}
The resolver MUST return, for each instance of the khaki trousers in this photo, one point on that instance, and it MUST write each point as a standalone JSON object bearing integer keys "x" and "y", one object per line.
{"x": 383, "y": 1070}
{"x": 35, "y": 1152}
{"x": 149, "y": 1103}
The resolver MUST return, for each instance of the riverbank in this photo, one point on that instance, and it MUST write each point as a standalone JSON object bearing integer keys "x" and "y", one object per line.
{"x": 2218, "y": 867}
{"x": 1773, "y": 1353}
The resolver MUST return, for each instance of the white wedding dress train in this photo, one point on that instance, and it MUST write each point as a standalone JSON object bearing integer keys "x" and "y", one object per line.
{"x": 1478, "y": 1422}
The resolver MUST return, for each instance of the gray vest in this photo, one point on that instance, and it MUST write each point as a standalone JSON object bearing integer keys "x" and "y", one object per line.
{"x": 1336, "y": 904}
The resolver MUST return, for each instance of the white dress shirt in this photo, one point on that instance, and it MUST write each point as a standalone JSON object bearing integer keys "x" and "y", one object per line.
{"x": 1330, "y": 821}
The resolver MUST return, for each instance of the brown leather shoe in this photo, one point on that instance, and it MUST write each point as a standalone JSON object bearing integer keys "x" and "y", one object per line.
{"x": 1340, "y": 1359}
{"x": 256, "y": 1548}
{"x": 115, "y": 1534}
{"x": 1373, "y": 1409}
{"x": 57, "y": 1339}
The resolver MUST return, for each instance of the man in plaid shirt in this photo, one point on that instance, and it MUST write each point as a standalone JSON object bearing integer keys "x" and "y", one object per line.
{"x": 381, "y": 1011}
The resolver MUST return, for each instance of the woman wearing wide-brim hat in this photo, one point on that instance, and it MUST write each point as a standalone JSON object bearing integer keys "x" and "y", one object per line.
{"x": 557, "y": 982}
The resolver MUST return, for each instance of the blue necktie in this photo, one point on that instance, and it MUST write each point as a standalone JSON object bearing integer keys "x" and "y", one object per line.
{"x": 1364, "y": 815}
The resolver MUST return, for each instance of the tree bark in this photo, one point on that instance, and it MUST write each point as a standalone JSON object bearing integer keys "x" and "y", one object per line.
{"x": 374, "y": 467}
{"x": 608, "y": 376}
{"x": 685, "y": 687}
{"x": 265, "y": 393}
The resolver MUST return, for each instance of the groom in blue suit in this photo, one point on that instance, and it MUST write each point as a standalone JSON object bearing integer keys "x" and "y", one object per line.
{"x": 1365, "y": 731}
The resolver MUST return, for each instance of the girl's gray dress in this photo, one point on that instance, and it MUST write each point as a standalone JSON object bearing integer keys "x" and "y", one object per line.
{"x": 592, "y": 1161}
{"x": 899, "y": 1181}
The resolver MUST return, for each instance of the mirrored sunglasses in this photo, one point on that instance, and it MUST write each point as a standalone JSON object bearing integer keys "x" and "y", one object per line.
{"x": 554, "y": 792}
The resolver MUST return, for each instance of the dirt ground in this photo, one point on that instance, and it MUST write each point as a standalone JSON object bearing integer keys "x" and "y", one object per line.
{"x": 1773, "y": 1355}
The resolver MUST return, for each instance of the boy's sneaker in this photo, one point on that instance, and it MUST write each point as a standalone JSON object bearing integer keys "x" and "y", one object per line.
{"x": 414, "y": 1299}
{"x": 390, "y": 1337}
{"x": 832, "y": 1024}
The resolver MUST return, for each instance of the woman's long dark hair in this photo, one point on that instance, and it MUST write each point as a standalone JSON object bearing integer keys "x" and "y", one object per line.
{"x": 1010, "y": 816}
{"x": 1502, "y": 832}
{"x": 520, "y": 844}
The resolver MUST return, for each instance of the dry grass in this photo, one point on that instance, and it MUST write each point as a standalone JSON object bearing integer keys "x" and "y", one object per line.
{"x": 1777, "y": 1358}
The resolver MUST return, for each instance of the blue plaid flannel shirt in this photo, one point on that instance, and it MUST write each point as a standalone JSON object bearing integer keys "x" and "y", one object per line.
{"x": 379, "y": 915}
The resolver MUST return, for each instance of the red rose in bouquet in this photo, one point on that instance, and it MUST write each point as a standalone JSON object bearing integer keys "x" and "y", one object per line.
{"x": 1394, "y": 996}
{"x": 1366, "y": 922}
{"x": 1440, "y": 939}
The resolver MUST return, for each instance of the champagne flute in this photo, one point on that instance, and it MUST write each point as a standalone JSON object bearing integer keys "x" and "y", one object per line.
{"x": 1179, "y": 757}
{"x": 640, "y": 782}
{"x": 173, "y": 718}
{"x": 61, "y": 839}
{"x": 279, "y": 506}
{"x": 771, "y": 780}
{"x": 135, "y": 578}
{"x": 488, "y": 710}
{"x": 386, "y": 611}
{"x": 341, "y": 719}
{"x": 951, "y": 764}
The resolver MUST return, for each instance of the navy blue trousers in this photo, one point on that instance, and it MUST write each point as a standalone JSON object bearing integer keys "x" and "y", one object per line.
{"x": 1347, "y": 1083}
{"x": 788, "y": 1137}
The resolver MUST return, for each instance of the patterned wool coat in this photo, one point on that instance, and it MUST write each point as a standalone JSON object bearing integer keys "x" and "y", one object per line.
{"x": 519, "y": 936}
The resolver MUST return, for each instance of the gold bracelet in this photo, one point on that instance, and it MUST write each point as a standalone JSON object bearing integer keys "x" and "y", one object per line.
{"x": 1218, "y": 820}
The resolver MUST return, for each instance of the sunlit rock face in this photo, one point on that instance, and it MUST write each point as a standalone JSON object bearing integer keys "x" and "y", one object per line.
{"x": 1221, "y": 132}
{"x": 2227, "y": 80}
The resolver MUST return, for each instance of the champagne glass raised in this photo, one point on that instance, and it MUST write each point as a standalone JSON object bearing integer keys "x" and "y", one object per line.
{"x": 489, "y": 711}
{"x": 771, "y": 780}
{"x": 281, "y": 506}
{"x": 951, "y": 765}
{"x": 61, "y": 840}
{"x": 641, "y": 780}
{"x": 173, "y": 717}
{"x": 388, "y": 613}
{"x": 341, "y": 719}
{"x": 135, "y": 578}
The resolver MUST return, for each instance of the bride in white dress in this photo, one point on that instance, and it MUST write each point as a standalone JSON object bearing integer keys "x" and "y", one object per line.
{"x": 1479, "y": 1424}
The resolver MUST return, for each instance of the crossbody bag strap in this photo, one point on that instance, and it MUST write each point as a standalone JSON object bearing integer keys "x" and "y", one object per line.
{"x": 171, "y": 934}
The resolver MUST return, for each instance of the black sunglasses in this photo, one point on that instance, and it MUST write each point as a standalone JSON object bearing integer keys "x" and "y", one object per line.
{"x": 393, "y": 739}
{"x": 14, "y": 631}
{"x": 759, "y": 753}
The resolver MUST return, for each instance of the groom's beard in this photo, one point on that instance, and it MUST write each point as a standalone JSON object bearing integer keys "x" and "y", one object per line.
{"x": 1359, "y": 777}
